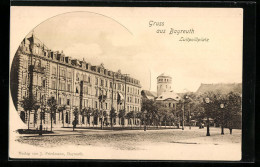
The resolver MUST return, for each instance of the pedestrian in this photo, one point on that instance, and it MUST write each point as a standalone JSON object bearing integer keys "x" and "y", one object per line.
{"x": 74, "y": 124}
{"x": 230, "y": 130}
{"x": 230, "y": 127}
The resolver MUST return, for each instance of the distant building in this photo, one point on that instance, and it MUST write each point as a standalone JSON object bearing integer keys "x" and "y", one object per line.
{"x": 164, "y": 93}
{"x": 169, "y": 99}
{"x": 163, "y": 84}
{"x": 151, "y": 95}
{"x": 223, "y": 88}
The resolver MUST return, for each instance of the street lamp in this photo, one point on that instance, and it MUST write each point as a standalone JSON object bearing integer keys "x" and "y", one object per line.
{"x": 41, "y": 115}
{"x": 102, "y": 99}
{"x": 222, "y": 126}
{"x": 43, "y": 107}
{"x": 145, "y": 112}
{"x": 101, "y": 104}
{"x": 185, "y": 98}
{"x": 207, "y": 101}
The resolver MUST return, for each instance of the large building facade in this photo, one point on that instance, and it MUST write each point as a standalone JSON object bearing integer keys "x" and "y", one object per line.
{"x": 43, "y": 73}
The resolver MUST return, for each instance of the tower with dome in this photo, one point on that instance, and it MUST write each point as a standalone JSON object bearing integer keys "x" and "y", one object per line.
{"x": 164, "y": 82}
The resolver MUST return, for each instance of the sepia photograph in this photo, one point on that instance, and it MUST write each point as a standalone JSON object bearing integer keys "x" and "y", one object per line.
{"x": 125, "y": 83}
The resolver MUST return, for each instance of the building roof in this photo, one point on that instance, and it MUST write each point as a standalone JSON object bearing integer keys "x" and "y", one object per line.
{"x": 164, "y": 75}
{"x": 223, "y": 88}
{"x": 32, "y": 39}
{"x": 168, "y": 96}
{"x": 151, "y": 95}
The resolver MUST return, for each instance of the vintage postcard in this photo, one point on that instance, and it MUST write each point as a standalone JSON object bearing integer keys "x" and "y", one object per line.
{"x": 127, "y": 83}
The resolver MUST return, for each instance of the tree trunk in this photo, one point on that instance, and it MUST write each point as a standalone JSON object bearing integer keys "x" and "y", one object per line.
{"x": 29, "y": 119}
{"x": 51, "y": 121}
{"x": 63, "y": 119}
{"x": 165, "y": 124}
{"x": 34, "y": 115}
{"x": 111, "y": 121}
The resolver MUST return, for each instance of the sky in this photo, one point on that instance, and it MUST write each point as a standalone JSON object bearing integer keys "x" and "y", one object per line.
{"x": 124, "y": 39}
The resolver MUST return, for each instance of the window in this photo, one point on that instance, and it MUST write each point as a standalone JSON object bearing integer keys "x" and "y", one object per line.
{"x": 53, "y": 70}
{"x": 69, "y": 87}
{"x": 123, "y": 88}
{"x": 96, "y": 93}
{"x": 68, "y": 101}
{"x": 119, "y": 86}
{"x": 24, "y": 78}
{"x": 96, "y": 104}
{"x": 110, "y": 84}
{"x": 43, "y": 83}
{"x": 24, "y": 63}
{"x": 53, "y": 85}
{"x": 106, "y": 105}
{"x": 96, "y": 81}
{"x": 62, "y": 87}
{"x": 102, "y": 82}
{"x": 169, "y": 104}
{"x": 62, "y": 73}
{"x": 77, "y": 90}
{"x": 128, "y": 89}
{"x": 39, "y": 81}
{"x": 24, "y": 93}
{"x": 69, "y": 75}
{"x": 89, "y": 79}
{"x": 106, "y": 83}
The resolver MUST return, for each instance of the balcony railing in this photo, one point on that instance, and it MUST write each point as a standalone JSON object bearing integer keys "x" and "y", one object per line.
{"x": 38, "y": 69}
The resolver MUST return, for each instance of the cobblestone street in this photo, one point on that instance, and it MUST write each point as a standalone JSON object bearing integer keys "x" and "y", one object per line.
{"x": 150, "y": 144}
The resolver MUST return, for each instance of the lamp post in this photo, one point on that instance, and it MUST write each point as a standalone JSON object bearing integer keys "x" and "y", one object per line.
{"x": 102, "y": 99}
{"x": 41, "y": 115}
{"x": 43, "y": 106}
{"x": 190, "y": 117}
{"x": 183, "y": 115}
{"x": 207, "y": 101}
{"x": 185, "y": 98}
{"x": 145, "y": 112}
{"x": 222, "y": 126}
